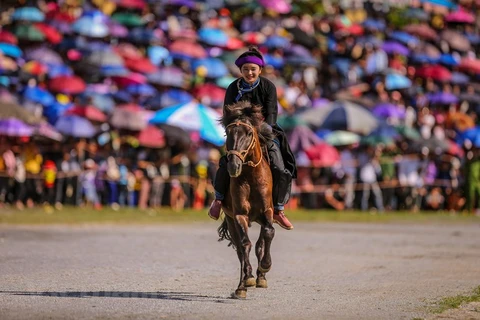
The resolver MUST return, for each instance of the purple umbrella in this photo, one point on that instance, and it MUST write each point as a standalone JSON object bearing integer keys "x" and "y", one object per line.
{"x": 44, "y": 55}
{"x": 117, "y": 30}
{"x": 75, "y": 126}
{"x": 392, "y": 47}
{"x": 15, "y": 128}
{"x": 442, "y": 98}
{"x": 388, "y": 110}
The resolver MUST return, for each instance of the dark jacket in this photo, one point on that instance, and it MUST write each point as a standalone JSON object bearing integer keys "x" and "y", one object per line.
{"x": 265, "y": 94}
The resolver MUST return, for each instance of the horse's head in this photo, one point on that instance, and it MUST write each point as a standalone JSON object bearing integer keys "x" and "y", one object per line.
{"x": 241, "y": 121}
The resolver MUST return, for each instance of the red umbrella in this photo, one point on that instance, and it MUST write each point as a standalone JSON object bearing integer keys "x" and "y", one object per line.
{"x": 435, "y": 72}
{"x": 323, "y": 155}
{"x": 89, "y": 112}
{"x": 234, "y": 44}
{"x": 51, "y": 34}
{"x": 142, "y": 65}
{"x": 210, "y": 91}
{"x": 188, "y": 48}
{"x": 151, "y": 137}
{"x": 128, "y": 51}
{"x": 132, "y": 107}
{"x": 422, "y": 30}
{"x": 253, "y": 37}
{"x": 470, "y": 65}
{"x": 128, "y": 79}
{"x": 67, "y": 84}
{"x": 35, "y": 68}
{"x": 131, "y": 4}
{"x": 185, "y": 34}
{"x": 8, "y": 37}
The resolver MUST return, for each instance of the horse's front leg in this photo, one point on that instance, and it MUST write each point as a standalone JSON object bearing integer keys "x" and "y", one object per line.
{"x": 262, "y": 250}
{"x": 246, "y": 276}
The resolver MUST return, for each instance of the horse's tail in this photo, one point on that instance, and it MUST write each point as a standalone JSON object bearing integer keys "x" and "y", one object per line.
{"x": 224, "y": 234}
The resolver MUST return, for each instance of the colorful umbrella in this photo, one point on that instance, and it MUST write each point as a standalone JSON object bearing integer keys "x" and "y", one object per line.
{"x": 67, "y": 84}
{"x": 215, "y": 68}
{"x": 75, "y": 126}
{"x": 28, "y": 32}
{"x": 8, "y": 37}
{"x": 31, "y": 14}
{"x": 212, "y": 36}
{"x": 193, "y": 116}
{"x": 151, "y": 137}
{"x": 15, "y": 128}
{"x": 187, "y": 49}
{"x": 89, "y": 112}
{"x": 342, "y": 138}
{"x": 51, "y": 34}
{"x": 435, "y": 72}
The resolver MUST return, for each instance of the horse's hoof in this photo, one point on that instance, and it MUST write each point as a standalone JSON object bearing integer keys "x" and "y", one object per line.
{"x": 250, "y": 282}
{"x": 240, "y": 294}
{"x": 262, "y": 283}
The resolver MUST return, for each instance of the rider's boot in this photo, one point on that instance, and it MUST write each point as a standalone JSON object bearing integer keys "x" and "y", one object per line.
{"x": 281, "y": 219}
{"x": 215, "y": 208}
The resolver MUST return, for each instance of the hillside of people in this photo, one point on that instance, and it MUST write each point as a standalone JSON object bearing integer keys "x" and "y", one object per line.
{"x": 115, "y": 103}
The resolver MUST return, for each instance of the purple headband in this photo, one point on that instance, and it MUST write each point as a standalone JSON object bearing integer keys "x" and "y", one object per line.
{"x": 249, "y": 59}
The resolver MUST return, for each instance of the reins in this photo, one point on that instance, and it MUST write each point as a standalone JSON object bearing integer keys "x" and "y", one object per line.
{"x": 242, "y": 154}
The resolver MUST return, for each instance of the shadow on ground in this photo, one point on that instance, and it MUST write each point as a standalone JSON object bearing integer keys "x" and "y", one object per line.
{"x": 161, "y": 295}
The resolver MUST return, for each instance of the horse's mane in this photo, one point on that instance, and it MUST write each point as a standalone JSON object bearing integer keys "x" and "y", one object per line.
{"x": 246, "y": 112}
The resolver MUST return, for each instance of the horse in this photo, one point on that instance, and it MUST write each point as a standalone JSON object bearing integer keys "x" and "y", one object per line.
{"x": 249, "y": 197}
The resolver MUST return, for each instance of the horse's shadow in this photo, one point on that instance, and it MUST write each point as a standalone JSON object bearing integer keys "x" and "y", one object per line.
{"x": 160, "y": 295}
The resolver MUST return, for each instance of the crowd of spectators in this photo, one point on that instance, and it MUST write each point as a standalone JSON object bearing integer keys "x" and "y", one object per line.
{"x": 416, "y": 59}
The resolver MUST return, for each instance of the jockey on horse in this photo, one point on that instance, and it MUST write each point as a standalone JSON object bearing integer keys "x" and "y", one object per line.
{"x": 259, "y": 91}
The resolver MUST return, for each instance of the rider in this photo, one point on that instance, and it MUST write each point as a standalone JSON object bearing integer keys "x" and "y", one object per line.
{"x": 259, "y": 91}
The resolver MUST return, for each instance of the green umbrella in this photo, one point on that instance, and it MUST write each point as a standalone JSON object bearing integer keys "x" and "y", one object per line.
{"x": 28, "y": 32}
{"x": 342, "y": 138}
{"x": 408, "y": 132}
{"x": 374, "y": 140}
{"x": 288, "y": 122}
{"x": 128, "y": 19}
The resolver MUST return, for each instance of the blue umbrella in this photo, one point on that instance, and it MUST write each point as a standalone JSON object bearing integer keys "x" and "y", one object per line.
{"x": 394, "y": 81}
{"x": 445, "y": 3}
{"x": 395, "y": 47}
{"x": 31, "y": 14}
{"x": 459, "y": 78}
{"x": 342, "y": 65}
{"x": 141, "y": 35}
{"x": 56, "y": 70}
{"x": 89, "y": 27}
{"x": 55, "y": 110}
{"x": 370, "y": 40}
{"x": 122, "y": 96}
{"x": 96, "y": 15}
{"x": 101, "y": 101}
{"x": 168, "y": 98}
{"x": 214, "y": 66}
{"x": 276, "y": 42}
{"x": 141, "y": 89}
{"x": 448, "y": 60}
{"x": 472, "y": 134}
{"x": 212, "y": 36}
{"x": 421, "y": 58}
{"x": 158, "y": 54}
{"x": 373, "y": 24}
{"x": 75, "y": 126}
{"x": 193, "y": 116}
{"x": 275, "y": 61}
{"x": 10, "y": 50}
{"x": 442, "y": 98}
{"x": 38, "y": 95}
{"x": 110, "y": 71}
{"x": 404, "y": 38}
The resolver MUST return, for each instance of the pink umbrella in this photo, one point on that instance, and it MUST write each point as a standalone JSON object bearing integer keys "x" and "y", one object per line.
{"x": 460, "y": 16}
{"x": 470, "y": 65}
{"x": 89, "y": 112}
{"x": 188, "y": 48}
{"x": 44, "y": 129}
{"x": 323, "y": 155}
{"x": 279, "y": 6}
{"x": 151, "y": 137}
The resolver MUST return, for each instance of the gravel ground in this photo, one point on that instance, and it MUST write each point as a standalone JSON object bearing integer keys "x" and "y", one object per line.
{"x": 320, "y": 271}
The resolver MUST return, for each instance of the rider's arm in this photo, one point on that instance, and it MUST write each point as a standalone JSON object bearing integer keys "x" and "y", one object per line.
{"x": 270, "y": 102}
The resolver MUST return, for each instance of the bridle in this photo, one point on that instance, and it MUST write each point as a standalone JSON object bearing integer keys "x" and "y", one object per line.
{"x": 243, "y": 153}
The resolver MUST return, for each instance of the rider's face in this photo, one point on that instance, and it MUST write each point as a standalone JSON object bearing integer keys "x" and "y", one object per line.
{"x": 250, "y": 72}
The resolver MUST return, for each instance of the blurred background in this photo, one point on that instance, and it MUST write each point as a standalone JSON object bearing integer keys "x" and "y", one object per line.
{"x": 115, "y": 102}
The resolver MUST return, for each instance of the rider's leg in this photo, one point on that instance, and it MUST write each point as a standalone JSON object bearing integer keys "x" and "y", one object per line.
{"x": 222, "y": 180}
{"x": 282, "y": 184}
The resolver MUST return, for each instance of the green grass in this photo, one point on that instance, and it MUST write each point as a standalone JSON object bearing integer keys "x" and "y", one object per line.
{"x": 75, "y": 215}
{"x": 455, "y": 301}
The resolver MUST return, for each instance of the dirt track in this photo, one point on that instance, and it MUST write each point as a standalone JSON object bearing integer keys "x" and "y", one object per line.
{"x": 320, "y": 271}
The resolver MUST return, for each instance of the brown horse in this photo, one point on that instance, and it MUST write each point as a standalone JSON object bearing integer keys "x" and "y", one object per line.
{"x": 250, "y": 192}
